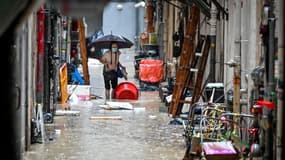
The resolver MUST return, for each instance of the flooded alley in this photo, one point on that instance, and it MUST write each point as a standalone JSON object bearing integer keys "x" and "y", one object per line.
{"x": 143, "y": 133}
{"x": 142, "y": 79}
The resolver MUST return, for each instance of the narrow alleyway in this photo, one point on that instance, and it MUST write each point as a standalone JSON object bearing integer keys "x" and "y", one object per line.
{"x": 224, "y": 75}
{"x": 142, "y": 133}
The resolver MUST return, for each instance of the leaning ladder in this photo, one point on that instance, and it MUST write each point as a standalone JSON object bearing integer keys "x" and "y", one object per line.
{"x": 191, "y": 67}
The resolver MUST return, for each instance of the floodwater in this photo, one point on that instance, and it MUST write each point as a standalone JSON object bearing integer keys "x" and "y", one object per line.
{"x": 143, "y": 133}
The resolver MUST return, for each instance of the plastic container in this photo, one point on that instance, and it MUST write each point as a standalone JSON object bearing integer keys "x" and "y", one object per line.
{"x": 126, "y": 90}
{"x": 151, "y": 70}
{"x": 153, "y": 38}
{"x": 83, "y": 92}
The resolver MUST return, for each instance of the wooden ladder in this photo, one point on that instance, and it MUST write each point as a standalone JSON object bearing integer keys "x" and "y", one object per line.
{"x": 192, "y": 65}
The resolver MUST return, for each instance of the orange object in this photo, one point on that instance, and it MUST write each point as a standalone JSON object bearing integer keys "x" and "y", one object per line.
{"x": 63, "y": 85}
{"x": 151, "y": 70}
{"x": 126, "y": 90}
{"x": 144, "y": 38}
{"x": 83, "y": 52}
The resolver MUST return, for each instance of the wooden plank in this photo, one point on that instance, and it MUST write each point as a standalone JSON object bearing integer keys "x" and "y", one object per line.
{"x": 149, "y": 17}
{"x": 184, "y": 101}
{"x": 105, "y": 118}
{"x": 117, "y": 106}
{"x": 83, "y": 52}
{"x": 67, "y": 112}
{"x": 63, "y": 85}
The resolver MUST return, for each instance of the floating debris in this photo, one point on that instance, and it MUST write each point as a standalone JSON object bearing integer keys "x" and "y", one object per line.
{"x": 67, "y": 112}
{"x": 106, "y": 118}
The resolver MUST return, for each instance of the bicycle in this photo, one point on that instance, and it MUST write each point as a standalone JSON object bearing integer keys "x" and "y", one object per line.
{"x": 37, "y": 134}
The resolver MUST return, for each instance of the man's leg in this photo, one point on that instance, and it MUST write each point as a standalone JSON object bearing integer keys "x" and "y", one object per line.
{"x": 107, "y": 89}
{"x": 107, "y": 94}
{"x": 113, "y": 94}
{"x": 114, "y": 83}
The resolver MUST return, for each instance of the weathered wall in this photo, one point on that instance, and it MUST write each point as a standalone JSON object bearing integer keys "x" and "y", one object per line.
{"x": 242, "y": 38}
{"x": 128, "y": 22}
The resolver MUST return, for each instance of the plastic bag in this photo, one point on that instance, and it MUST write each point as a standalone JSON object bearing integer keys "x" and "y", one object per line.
{"x": 122, "y": 73}
{"x": 119, "y": 72}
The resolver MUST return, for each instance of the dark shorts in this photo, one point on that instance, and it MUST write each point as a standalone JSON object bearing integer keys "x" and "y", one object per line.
{"x": 110, "y": 78}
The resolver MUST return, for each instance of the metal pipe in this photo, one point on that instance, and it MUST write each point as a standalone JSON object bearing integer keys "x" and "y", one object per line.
{"x": 63, "y": 40}
{"x": 40, "y": 55}
{"x": 30, "y": 79}
{"x": 137, "y": 32}
{"x": 213, "y": 28}
{"x": 68, "y": 45}
{"x": 47, "y": 40}
{"x": 280, "y": 95}
{"x": 236, "y": 85}
{"x": 268, "y": 114}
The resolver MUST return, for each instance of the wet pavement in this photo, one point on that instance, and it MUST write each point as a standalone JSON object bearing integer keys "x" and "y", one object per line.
{"x": 143, "y": 133}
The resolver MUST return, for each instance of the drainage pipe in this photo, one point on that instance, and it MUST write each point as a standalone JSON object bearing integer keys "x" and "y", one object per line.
{"x": 213, "y": 28}
{"x": 280, "y": 89}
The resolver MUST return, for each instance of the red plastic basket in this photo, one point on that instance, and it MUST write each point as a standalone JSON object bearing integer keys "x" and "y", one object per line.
{"x": 151, "y": 70}
{"x": 126, "y": 90}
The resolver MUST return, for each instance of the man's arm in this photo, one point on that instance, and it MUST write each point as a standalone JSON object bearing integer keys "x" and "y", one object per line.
{"x": 119, "y": 63}
{"x": 103, "y": 60}
{"x": 125, "y": 73}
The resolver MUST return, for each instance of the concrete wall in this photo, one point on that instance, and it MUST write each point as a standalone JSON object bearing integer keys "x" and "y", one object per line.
{"x": 169, "y": 20}
{"x": 93, "y": 22}
{"x": 236, "y": 36}
{"x": 90, "y": 10}
{"x": 242, "y": 37}
{"x": 129, "y": 21}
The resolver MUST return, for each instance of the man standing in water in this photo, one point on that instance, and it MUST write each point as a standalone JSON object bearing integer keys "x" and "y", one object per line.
{"x": 110, "y": 59}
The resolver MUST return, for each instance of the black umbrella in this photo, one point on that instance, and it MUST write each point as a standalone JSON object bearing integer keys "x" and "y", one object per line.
{"x": 105, "y": 42}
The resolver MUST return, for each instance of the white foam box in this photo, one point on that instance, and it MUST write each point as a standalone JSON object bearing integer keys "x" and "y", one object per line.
{"x": 81, "y": 91}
